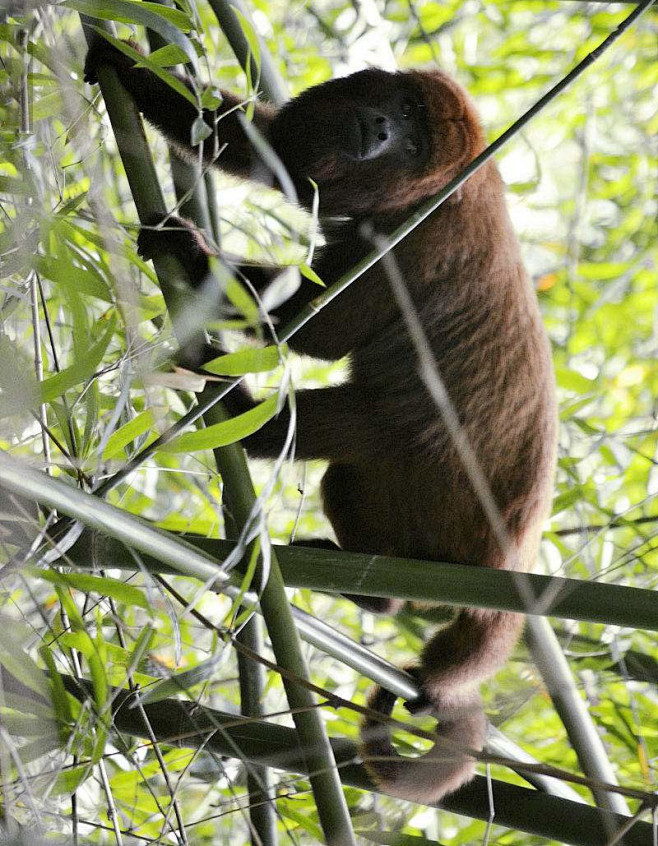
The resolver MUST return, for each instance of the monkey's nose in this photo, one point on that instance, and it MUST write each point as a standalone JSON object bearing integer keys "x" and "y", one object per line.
{"x": 376, "y": 132}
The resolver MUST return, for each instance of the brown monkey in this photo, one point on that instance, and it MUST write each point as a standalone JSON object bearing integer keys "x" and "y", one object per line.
{"x": 377, "y": 144}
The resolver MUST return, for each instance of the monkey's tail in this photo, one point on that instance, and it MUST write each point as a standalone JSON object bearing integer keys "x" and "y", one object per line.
{"x": 453, "y": 664}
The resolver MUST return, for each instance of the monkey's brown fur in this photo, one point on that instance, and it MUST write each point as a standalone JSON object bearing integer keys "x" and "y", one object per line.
{"x": 395, "y": 484}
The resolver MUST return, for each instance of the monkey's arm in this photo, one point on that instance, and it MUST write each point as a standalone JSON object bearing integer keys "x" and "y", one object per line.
{"x": 181, "y": 238}
{"x": 331, "y": 423}
{"x": 342, "y": 326}
{"x": 227, "y": 146}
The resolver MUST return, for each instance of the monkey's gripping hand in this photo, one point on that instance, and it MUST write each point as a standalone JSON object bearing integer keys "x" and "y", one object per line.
{"x": 170, "y": 235}
{"x": 103, "y": 54}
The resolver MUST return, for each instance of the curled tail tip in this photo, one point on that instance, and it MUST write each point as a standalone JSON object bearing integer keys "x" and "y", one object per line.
{"x": 442, "y": 770}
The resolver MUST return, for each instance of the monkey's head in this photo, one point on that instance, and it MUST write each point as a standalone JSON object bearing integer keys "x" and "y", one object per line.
{"x": 377, "y": 141}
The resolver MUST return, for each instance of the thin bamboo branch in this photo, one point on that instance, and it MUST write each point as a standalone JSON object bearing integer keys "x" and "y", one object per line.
{"x": 572, "y": 710}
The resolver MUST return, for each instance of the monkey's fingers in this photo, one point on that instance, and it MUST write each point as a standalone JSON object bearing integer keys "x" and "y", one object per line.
{"x": 103, "y": 54}
{"x": 172, "y": 235}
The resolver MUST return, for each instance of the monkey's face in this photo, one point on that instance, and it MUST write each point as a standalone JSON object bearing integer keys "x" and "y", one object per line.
{"x": 375, "y": 141}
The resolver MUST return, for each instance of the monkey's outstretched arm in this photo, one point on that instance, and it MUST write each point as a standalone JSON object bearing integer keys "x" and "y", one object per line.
{"x": 331, "y": 423}
{"x": 181, "y": 238}
{"x": 227, "y": 146}
{"x": 333, "y": 333}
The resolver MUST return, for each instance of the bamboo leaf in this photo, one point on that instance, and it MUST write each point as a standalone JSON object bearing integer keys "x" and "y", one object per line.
{"x": 228, "y": 432}
{"x": 183, "y": 681}
{"x": 103, "y": 585}
{"x": 81, "y": 370}
{"x": 245, "y": 361}
{"x": 127, "y": 434}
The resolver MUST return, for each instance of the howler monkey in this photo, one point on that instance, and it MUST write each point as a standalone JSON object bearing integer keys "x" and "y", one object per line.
{"x": 377, "y": 144}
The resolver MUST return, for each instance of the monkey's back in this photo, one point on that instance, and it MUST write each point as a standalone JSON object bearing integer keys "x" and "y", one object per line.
{"x": 412, "y": 495}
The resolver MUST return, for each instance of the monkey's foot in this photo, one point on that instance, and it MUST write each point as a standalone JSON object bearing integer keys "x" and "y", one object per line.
{"x": 422, "y": 704}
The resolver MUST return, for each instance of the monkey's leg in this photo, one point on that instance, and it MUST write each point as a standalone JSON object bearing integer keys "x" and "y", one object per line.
{"x": 359, "y": 523}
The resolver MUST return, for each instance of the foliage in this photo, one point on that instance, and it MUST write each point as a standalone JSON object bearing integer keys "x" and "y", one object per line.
{"x": 85, "y": 332}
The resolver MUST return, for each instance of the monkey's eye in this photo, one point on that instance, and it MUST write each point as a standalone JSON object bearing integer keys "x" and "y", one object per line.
{"x": 412, "y": 146}
{"x": 407, "y": 108}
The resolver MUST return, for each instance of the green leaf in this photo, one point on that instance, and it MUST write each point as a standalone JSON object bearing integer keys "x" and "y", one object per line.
{"x": 254, "y": 53}
{"x": 293, "y": 812}
{"x": 27, "y": 725}
{"x": 603, "y": 271}
{"x": 47, "y": 106}
{"x": 228, "y": 432}
{"x": 10, "y": 185}
{"x": 211, "y": 98}
{"x": 240, "y": 298}
{"x": 311, "y": 275}
{"x": 200, "y": 131}
{"x": 69, "y": 780}
{"x": 250, "y": 35}
{"x": 115, "y": 589}
{"x": 245, "y": 361}
{"x": 167, "y": 56}
{"x": 19, "y": 391}
{"x": 82, "y": 369}
{"x": 15, "y": 658}
{"x": 128, "y": 433}
{"x": 60, "y": 699}
{"x": 63, "y": 272}
{"x": 179, "y": 682}
{"x": 574, "y": 381}
{"x": 142, "y": 645}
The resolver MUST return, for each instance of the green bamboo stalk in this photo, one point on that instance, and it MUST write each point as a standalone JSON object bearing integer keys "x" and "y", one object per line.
{"x": 325, "y": 783}
{"x": 336, "y": 571}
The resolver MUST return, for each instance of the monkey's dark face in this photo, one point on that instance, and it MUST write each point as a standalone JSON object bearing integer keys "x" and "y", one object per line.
{"x": 392, "y": 131}
{"x": 374, "y": 141}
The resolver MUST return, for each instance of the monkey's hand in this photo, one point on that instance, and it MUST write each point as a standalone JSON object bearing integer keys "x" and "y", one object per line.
{"x": 169, "y": 235}
{"x": 103, "y": 54}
